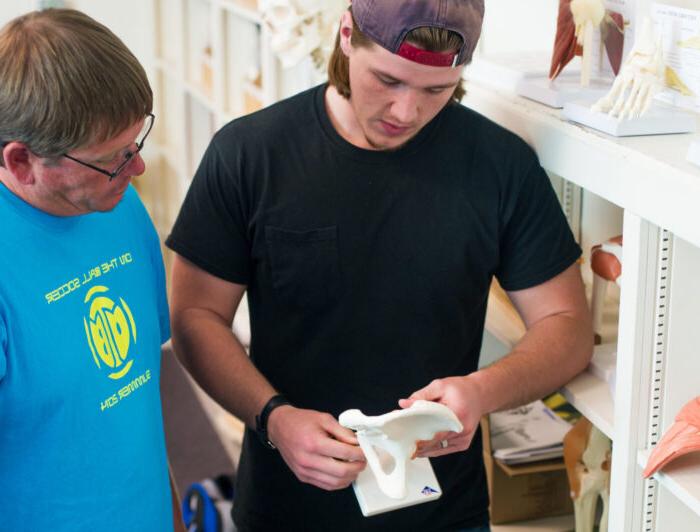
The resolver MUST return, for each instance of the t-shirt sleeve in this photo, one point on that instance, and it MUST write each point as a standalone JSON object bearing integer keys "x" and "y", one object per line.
{"x": 158, "y": 268}
{"x": 210, "y": 230}
{"x": 3, "y": 348}
{"x": 536, "y": 241}
{"x": 162, "y": 293}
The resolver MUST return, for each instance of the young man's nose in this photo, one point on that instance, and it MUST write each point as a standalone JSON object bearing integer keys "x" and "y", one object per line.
{"x": 404, "y": 109}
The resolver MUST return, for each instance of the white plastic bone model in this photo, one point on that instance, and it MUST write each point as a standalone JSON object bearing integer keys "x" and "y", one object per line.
{"x": 397, "y": 433}
{"x": 301, "y": 28}
{"x": 588, "y": 14}
{"x": 641, "y": 77}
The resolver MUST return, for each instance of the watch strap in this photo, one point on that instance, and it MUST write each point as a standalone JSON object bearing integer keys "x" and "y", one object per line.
{"x": 261, "y": 419}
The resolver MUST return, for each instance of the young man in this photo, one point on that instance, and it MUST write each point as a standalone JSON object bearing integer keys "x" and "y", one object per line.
{"x": 83, "y": 310}
{"x": 365, "y": 220}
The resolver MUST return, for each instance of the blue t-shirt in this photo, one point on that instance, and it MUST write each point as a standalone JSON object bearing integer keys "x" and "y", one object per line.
{"x": 83, "y": 313}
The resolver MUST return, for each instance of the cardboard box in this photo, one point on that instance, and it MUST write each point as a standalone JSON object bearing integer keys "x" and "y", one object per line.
{"x": 527, "y": 491}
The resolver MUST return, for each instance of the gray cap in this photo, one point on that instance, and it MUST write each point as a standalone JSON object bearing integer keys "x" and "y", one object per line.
{"x": 389, "y": 21}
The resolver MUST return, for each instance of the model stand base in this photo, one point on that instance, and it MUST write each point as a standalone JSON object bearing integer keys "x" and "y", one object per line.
{"x": 566, "y": 88}
{"x": 694, "y": 152}
{"x": 604, "y": 363}
{"x": 505, "y": 71}
{"x": 421, "y": 486}
{"x": 659, "y": 120}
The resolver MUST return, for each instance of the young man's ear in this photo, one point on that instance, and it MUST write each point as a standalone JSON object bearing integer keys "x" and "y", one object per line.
{"x": 19, "y": 162}
{"x": 346, "y": 33}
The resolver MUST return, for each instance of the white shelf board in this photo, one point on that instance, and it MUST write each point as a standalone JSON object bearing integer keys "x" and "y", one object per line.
{"x": 591, "y": 396}
{"x": 681, "y": 477}
{"x": 649, "y": 175}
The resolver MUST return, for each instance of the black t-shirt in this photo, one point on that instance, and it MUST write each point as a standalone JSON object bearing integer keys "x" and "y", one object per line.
{"x": 368, "y": 274}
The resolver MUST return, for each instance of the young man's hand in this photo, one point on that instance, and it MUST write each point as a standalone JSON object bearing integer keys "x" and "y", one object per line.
{"x": 315, "y": 447}
{"x": 461, "y": 395}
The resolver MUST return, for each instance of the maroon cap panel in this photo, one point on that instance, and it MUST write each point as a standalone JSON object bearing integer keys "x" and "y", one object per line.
{"x": 388, "y": 21}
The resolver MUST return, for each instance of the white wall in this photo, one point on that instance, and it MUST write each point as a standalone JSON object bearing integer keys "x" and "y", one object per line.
{"x": 519, "y": 25}
{"x": 13, "y": 8}
{"x": 130, "y": 20}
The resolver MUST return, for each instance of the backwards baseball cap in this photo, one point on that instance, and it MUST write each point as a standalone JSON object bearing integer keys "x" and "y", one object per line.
{"x": 387, "y": 22}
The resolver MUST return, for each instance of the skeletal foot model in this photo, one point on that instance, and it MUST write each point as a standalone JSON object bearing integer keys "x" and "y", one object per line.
{"x": 641, "y": 77}
{"x": 397, "y": 433}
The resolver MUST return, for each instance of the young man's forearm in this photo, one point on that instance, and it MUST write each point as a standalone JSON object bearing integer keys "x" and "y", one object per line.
{"x": 218, "y": 362}
{"x": 550, "y": 354}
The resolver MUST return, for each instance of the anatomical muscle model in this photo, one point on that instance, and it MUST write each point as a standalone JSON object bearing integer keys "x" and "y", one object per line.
{"x": 606, "y": 263}
{"x": 576, "y": 24}
{"x": 682, "y": 438}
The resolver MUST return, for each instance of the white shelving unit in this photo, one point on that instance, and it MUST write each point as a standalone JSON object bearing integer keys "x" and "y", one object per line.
{"x": 657, "y": 189}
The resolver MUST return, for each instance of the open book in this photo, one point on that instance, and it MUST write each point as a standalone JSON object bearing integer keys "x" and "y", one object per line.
{"x": 527, "y": 433}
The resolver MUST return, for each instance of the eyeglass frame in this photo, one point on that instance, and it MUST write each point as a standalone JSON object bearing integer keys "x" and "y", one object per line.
{"x": 129, "y": 156}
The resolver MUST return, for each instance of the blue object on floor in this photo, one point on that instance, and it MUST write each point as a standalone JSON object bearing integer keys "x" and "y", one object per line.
{"x": 206, "y": 507}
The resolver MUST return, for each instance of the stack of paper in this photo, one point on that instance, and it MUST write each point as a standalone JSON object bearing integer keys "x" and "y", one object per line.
{"x": 528, "y": 433}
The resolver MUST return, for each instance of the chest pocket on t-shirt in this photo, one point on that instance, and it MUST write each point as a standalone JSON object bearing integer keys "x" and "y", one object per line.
{"x": 305, "y": 265}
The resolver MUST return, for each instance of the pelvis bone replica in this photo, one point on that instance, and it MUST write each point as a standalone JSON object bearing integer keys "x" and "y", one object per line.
{"x": 396, "y": 433}
{"x": 682, "y": 438}
{"x": 587, "y": 458}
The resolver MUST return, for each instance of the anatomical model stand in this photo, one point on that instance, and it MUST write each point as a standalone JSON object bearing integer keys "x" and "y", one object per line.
{"x": 587, "y": 459}
{"x": 626, "y": 109}
{"x": 394, "y": 479}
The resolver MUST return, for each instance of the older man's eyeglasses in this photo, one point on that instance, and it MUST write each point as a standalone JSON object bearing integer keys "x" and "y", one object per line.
{"x": 140, "y": 140}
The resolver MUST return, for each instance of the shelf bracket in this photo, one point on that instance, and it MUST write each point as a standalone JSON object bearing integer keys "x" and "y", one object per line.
{"x": 661, "y": 306}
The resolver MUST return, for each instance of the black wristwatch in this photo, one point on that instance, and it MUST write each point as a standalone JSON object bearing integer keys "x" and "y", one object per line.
{"x": 261, "y": 419}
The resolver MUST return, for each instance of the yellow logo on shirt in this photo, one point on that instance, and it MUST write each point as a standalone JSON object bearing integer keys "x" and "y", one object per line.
{"x": 110, "y": 329}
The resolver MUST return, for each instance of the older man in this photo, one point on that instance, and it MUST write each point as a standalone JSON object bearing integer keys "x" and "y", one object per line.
{"x": 83, "y": 310}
